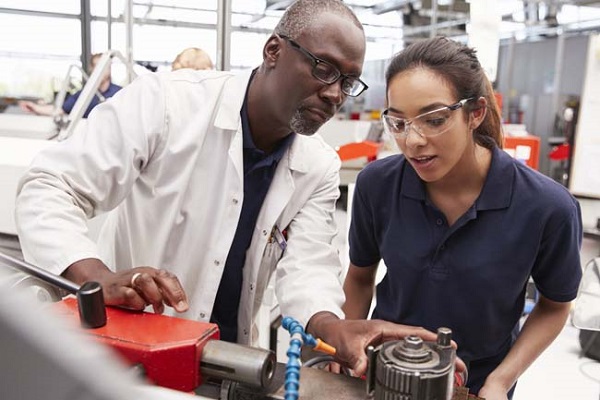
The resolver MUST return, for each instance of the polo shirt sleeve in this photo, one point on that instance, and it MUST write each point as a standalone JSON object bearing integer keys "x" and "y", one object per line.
{"x": 364, "y": 248}
{"x": 557, "y": 270}
{"x": 70, "y": 102}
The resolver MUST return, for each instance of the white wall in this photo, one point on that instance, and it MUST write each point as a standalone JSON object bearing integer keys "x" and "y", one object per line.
{"x": 590, "y": 213}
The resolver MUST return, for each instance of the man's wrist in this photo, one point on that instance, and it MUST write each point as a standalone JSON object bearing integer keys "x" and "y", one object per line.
{"x": 317, "y": 324}
{"x": 88, "y": 269}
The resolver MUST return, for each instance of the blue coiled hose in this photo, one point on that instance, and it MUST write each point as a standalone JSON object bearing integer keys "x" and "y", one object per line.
{"x": 292, "y": 368}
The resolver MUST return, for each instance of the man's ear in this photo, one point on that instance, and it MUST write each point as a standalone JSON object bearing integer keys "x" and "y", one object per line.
{"x": 271, "y": 51}
{"x": 478, "y": 113}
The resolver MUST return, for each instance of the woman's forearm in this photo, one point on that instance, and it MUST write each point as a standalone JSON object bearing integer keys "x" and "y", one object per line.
{"x": 540, "y": 329}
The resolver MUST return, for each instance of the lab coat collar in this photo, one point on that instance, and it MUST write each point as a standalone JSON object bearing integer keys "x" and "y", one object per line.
{"x": 228, "y": 113}
{"x": 298, "y": 153}
{"x": 228, "y": 117}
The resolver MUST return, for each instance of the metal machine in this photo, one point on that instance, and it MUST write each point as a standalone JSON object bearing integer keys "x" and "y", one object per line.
{"x": 187, "y": 356}
{"x": 413, "y": 369}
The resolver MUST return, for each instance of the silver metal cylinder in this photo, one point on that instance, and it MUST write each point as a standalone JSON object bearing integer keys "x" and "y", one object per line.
{"x": 238, "y": 363}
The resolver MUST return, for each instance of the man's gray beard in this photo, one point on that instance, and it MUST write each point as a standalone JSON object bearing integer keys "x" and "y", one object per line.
{"x": 302, "y": 126}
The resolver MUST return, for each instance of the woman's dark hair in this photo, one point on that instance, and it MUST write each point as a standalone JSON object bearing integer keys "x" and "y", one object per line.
{"x": 459, "y": 66}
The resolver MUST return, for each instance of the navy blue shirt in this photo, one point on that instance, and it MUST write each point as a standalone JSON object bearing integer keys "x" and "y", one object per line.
{"x": 259, "y": 169}
{"x": 471, "y": 276}
{"x": 70, "y": 100}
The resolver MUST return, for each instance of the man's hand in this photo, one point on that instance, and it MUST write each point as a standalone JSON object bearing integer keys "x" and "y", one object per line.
{"x": 352, "y": 337}
{"x": 150, "y": 286}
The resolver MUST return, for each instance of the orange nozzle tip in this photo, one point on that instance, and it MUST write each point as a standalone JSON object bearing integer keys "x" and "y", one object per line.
{"x": 325, "y": 348}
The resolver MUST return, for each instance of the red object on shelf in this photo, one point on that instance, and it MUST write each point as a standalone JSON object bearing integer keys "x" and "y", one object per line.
{"x": 359, "y": 149}
{"x": 169, "y": 348}
{"x": 524, "y": 148}
{"x": 560, "y": 152}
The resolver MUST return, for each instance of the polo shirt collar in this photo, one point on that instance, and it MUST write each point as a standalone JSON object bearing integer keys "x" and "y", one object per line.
{"x": 498, "y": 187}
{"x": 495, "y": 194}
{"x": 412, "y": 185}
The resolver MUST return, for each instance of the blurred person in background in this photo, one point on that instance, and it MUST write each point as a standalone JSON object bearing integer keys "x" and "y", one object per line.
{"x": 193, "y": 58}
{"x": 107, "y": 89}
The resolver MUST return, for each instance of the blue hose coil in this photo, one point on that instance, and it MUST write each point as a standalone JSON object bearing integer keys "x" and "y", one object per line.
{"x": 292, "y": 368}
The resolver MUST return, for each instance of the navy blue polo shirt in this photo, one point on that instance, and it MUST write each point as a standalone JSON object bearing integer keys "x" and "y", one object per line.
{"x": 70, "y": 101}
{"x": 471, "y": 276}
{"x": 259, "y": 169}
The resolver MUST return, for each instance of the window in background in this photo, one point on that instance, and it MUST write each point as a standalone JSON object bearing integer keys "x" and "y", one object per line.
{"x": 166, "y": 9}
{"x": 246, "y": 49}
{"x": 162, "y": 30}
{"x": 62, "y": 6}
{"x": 153, "y": 44}
{"x": 35, "y": 58}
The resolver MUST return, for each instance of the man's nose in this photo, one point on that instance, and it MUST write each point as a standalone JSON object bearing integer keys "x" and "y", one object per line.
{"x": 333, "y": 93}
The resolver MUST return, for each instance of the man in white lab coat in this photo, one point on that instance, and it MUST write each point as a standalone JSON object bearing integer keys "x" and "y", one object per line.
{"x": 216, "y": 182}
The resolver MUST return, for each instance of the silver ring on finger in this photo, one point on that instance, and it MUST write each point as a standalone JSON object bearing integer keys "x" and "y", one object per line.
{"x": 134, "y": 277}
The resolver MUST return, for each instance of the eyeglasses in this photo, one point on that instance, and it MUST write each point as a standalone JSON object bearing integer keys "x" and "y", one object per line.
{"x": 328, "y": 73}
{"x": 431, "y": 123}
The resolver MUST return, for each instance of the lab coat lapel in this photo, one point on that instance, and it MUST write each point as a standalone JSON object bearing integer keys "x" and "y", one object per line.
{"x": 228, "y": 116}
{"x": 236, "y": 153}
{"x": 283, "y": 185}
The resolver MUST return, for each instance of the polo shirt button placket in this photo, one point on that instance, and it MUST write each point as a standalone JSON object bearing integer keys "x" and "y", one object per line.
{"x": 439, "y": 222}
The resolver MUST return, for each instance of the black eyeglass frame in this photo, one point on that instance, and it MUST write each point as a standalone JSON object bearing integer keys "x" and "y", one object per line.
{"x": 316, "y": 61}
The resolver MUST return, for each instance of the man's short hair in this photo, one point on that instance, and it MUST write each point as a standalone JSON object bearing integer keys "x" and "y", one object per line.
{"x": 301, "y": 14}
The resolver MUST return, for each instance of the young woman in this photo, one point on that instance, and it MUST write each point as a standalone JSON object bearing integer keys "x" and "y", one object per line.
{"x": 460, "y": 225}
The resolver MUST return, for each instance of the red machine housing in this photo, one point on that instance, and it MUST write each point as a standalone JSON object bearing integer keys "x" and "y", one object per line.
{"x": 169, "y": 348}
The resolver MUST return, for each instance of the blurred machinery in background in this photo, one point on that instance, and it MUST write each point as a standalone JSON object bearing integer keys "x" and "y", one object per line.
{"x": 563, "y": 140}
{"x": 586, "y": 313}
{"x": 357, "y": 143}
{"x": 524, "y": 148}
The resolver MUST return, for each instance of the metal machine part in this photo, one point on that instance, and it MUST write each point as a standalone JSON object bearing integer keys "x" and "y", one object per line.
{"x": 39, "y": 290}
{"x": 248, "y": 365}
{"x": 411, "y": 369}
{"x": 89, "y": 295}
{"x": 13, "y": 277}
{"x": 186, "y": 355}
{"x": 315, "y": 384}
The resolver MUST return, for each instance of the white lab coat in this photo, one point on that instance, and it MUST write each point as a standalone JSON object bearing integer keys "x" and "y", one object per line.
{"x": 166, "y": 154}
